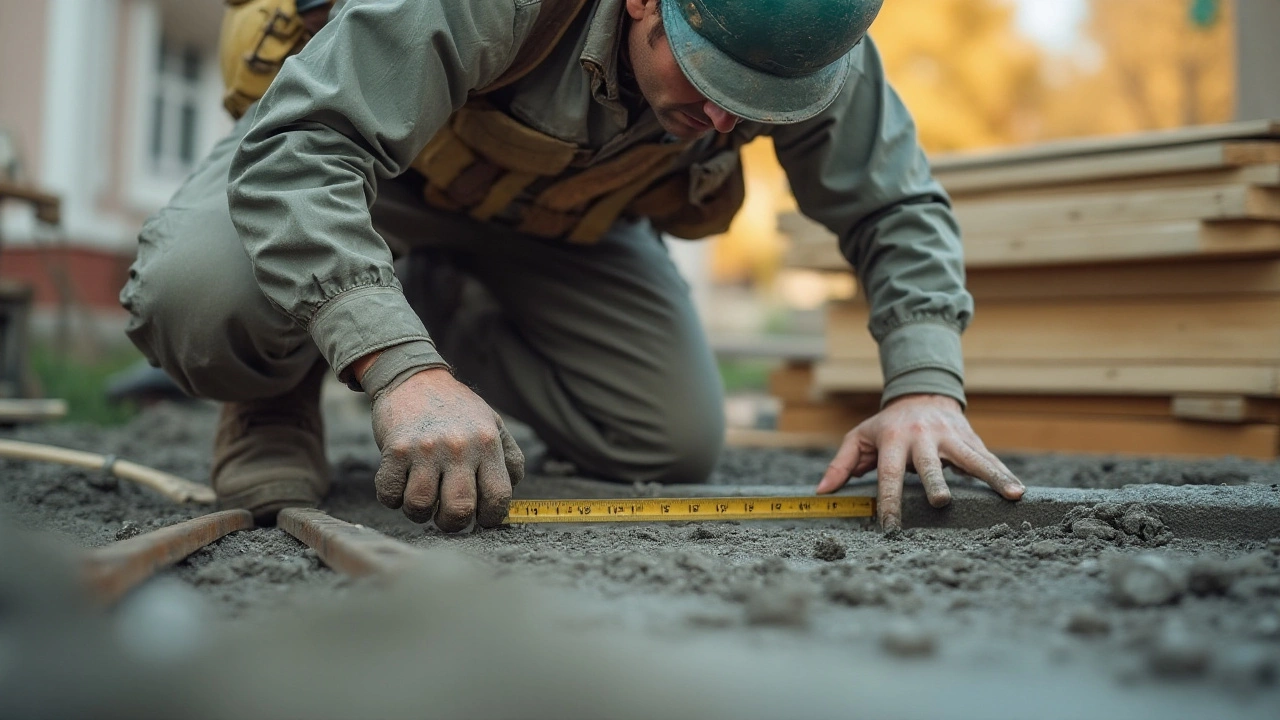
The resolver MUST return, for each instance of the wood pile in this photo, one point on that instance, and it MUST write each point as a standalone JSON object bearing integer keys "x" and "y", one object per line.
{"x": 1127, "y": 290}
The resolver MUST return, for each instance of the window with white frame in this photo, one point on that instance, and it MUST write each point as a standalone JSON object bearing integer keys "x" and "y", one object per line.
{"x": 174, "y": 121}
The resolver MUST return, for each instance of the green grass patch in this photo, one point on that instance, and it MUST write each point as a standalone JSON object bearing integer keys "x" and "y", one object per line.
{"x": 742, "y": 375}
{"x": 82, "y": 382}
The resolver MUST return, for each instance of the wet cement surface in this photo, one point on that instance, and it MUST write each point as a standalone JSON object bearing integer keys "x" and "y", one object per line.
{"x": 1107, "y": 610}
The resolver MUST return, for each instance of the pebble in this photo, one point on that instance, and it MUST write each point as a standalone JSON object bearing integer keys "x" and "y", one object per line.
{"x": 1146, "y": 580}
{"x": 1087, "y": 621}
{"x": 1176, "y": 653}
{"x": 1026, "y": 526}
{"x": 856, "y": 591}
{"x": 1248, "y": 666}
{"x": 828, "y": 549}
{"x": 1045, "y": 548}
{"x": 777, "y": 608}
{"x": 1093, "y": 528}
{"x": 906, "y": 639}
{"x": 1267, "y": 626}
{"x": 127, "y": 530}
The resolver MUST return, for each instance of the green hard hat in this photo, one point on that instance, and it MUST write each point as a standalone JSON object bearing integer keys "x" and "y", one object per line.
{"x": 772, "y": 61}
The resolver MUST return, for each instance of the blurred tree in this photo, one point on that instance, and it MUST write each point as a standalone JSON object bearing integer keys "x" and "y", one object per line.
{"x": 970, "y": 79}
{"x": 1153, "y": 64}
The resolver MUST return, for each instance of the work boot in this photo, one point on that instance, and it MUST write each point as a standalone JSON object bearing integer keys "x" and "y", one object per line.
{"x": 269, "y": 454}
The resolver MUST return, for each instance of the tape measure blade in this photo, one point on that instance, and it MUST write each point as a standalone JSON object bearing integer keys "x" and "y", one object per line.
{"x": 686, "y": 509}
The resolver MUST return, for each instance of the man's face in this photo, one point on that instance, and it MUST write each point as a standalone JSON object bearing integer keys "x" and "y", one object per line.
{"x": 681, "y": 109}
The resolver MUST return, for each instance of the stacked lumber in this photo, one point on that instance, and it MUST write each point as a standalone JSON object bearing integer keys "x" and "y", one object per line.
{"x": 1127, "y": 290}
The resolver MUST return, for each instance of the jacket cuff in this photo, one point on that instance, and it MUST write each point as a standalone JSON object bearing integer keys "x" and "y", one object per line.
{"x": 922, "y": 358}
{"x": 364, "y": 320}
{"x": 397, "y": 364}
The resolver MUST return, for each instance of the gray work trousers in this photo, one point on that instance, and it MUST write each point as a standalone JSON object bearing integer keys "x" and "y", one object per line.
{"x": 597, "y": 347}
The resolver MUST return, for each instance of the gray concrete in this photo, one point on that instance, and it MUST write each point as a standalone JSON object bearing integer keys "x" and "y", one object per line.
{"x": 1210, "y": 512}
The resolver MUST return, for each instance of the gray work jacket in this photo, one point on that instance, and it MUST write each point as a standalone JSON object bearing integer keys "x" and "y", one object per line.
{"x": 356, "y": 106}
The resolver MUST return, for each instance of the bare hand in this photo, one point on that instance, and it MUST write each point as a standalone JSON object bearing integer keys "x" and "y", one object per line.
{"x": 919, "y": 432}
{"x": 445, "y": 453}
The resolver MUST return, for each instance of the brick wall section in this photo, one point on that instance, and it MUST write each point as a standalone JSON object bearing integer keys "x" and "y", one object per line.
{"x": 94, "y": 276}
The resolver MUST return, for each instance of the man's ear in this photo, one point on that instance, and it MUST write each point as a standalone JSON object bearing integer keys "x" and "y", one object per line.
{"x": 636, "y": 8}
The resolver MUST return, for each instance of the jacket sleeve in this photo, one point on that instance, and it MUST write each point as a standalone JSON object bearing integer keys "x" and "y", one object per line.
{"x": 857, "y": 169}
{"x": 354, "y": 108}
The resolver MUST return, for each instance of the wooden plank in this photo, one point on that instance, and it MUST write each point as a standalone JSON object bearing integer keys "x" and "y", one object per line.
{"x": 849, "y": 409}
{"x": 1233, "y": 202}
{"x": 353, "y": 550}
{"x": 1073, "y": 378}
{"x": 814, "y": 248}
{"x": 1175, "y": 438}
{"x": 1073, "y": 147}
{"x": 1226, "y": 408}
{"x": 792, "y": 382}
{"x": 745, "y": 437}
{"x": 1083, "y": 168}
{"x": 1169, "y": 279}
{"x": 48, "y": 207}
{"x": 1257, "y": 175}
{"x": 14, "y": 411}
{"x": 114, "y": 569}
{"x": 1047, "y": 432}
{"x": 1243, "y": 329}
{"x": 1118, "y": 243}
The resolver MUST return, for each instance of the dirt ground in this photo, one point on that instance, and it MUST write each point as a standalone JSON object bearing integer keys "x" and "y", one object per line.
{"x": 1104, "y": 615}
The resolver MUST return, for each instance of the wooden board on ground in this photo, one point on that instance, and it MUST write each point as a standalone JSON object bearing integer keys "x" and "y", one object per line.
{"x": 1049, "y": 378}
{"x": 1232, "y": 202}
{"x": 1190, "y": 330}
{"x": 1104, "y": 166}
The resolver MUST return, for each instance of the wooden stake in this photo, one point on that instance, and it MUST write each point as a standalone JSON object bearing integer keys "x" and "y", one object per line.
{"x": 171, "y": 486}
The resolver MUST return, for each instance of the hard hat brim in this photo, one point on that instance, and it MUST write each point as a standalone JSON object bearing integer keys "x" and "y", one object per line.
{"x": 744, "y": 91}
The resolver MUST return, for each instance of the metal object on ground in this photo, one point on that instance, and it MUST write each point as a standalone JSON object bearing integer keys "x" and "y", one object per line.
{"x": 114, "y": 569}
{"x": 350, "y": 549}
{"x": 690, "y": 508}
{"x": 171, "y": 486}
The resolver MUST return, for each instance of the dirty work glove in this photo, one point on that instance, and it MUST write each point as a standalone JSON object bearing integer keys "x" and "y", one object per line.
{"x": 445, "y": 453}
{"x": 919, "y": 432}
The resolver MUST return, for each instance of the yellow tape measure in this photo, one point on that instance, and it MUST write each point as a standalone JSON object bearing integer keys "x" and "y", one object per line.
{"x": 683, "y": 509}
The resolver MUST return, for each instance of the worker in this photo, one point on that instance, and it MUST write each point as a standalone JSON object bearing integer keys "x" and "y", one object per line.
{"x": 538, "y": 152}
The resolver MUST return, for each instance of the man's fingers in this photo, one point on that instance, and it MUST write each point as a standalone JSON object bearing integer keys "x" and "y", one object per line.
{"x": 892, "y": 467}
{"x": 457, "y": 498}
{"x": 512, "y": 455}
{"x": 493, "y": 486}
{"x": 925, "y": 458}
{"x": 391, "y": 479}
{"x": 422, "y": 492}
{"x": 841, "y": 467}
{"x": 986, "y": 467}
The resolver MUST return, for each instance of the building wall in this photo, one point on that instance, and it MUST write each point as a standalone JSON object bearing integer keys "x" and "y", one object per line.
{"x": 78, "y": 84}
{"x": 22, "y": 57}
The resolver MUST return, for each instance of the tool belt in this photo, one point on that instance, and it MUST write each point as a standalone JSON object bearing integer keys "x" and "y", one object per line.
{"x": 488, "y": 165}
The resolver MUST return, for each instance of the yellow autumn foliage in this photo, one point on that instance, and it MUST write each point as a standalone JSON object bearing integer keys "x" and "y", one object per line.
{"x": 971, "y": 80}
